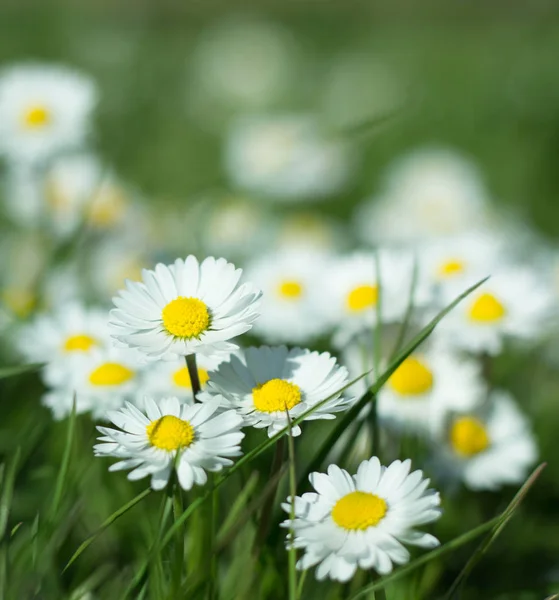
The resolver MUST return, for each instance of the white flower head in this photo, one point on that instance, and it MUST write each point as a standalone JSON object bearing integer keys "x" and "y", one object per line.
{"x": 287, "y": 158}
{"x": 513, "y": 303}
{"x": 354, "y": 286}
{"x": 165, "y": 378}
{"x": 70, "y": 329}
{"x": 426, "y": 386}
{"x": 429, "y": 192}
{"x": 263, "y": 383}
{"x": 101, "y": 379}
{"x": 293, "y": 294}
{"x": 185, "y": 308}
{"x": 364, "y": 520}
{"x": 44, "y": 109}
{"x": 169, "y": 435}
{"x": 487, "y": 448}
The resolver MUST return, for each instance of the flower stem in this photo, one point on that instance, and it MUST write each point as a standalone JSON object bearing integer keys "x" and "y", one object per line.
{"x": 292, "y": 556}
{"x": 193, "y": 372}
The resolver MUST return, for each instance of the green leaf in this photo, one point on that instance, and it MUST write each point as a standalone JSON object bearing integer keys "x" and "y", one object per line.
{"x": 6, "y": 372}
{"x": 7, "y": 492}
{"x": 107, "y": 523}
{"x": 494, "y": 525}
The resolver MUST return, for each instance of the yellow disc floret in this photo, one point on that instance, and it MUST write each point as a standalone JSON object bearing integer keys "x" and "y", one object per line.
{"x": 468, "y": 436}
{"x": 486, "y": 309}
{"x": 80, "y": 342}
{"x": 450, "y": 268}
{"x": 170, "y": 433}
{"x": 276, "y": 394}
{"x": 182, "y": 377}
{"x": 110, "y": 374}
{"x": 411, "y": 378}
{"x": 36, "y": 117}
{"x": 362, "y": 297}
{"x": 291, "y": 290}
{"x": 186, "y": 317}
{"x": 359, "y": 510}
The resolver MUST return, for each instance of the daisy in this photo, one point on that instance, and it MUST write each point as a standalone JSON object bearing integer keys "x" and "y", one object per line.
{"x": 287, "y": 158}
{"x": 262, "y": 383}
{"x": 430, "y": 192}
{"x": 170, "y": 435}
{"x": 426, "y": 386}
{"x": 487, "y": 448}
{"x": 311, "y": 231}
{"x": 353, "y": 291}
{"x": 102, "y": 379}
{"x": 44, "y": 109}
{"x": 293, "y": 292}
{"x": 514, "y": 303}
{"x": 364, "y": 520}
{"x": 70, "y": 329}
{"x": 184, "y": 308}
{"x": 166, "y": 378}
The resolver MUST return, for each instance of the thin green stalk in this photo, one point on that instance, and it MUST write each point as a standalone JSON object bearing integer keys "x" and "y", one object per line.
{"x": 8, "y": 479}
{"x": 292, "y": 551}
{"x": 178, "y": 558}
{"x": 409, "y": 311}
{"x": 301, "y": 584}
{"x": 193, "y": 372}
{"x": 377, "y": 357}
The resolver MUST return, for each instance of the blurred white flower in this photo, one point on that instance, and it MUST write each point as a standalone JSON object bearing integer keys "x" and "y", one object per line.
{"x": 185, "y": 308}
{"x": 353, "y": 291}
{"x": 101, "y": 379}
{"x": 263, "y": 383}
{"x": 487, "y": 448}
{"x": 287, "y": 158}
{"x": 44, "y": 109}
{"x": 292, "y": 284}
{"x": 69, "y": 329}
{"x": 169, "y": 436}
{"x": 244, "y": 63}
{"x": 515, "y": 303}
{"x": 426, "y": 193}
{"x": 170, "y": 377}
{"x": 311, "y": 231}
{"x": 362, "y": 521}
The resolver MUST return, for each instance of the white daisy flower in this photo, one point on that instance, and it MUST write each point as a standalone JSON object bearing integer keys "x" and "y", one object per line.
{"x": 464, "y": 258}
{"x": 166, "y": 378}
{"x": 311, "y": 231}
{"x": 354, "y": 291}
{"x": 102, "y": 379}
{"x": 184, "y": 308}
{"x": 293, "y": 292}
{"x": 287, "y": 158}
{"x": 169, "y": 435}
{"x": 364, "y": 520}
{"x": 487, "y": 448}
{"x": 70, "y": 329}
{"x": 513, "y": 303}
{"x": 426, "y": 386}
{"x": 44, "y": 109}
{"x": 430, "y": 192}
{"x": 262, "y": 383}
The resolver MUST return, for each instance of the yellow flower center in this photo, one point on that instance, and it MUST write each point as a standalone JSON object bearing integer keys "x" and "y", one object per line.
{"x": 275, "y": 395}
{"x": 362, "y": 297}
{"x": 359, "y": 510}
{"x": 182, "y": 378}
{"x": 186, "y": 317}
{"x": 36, "y": 117}
{"x": 79, "y": 343}
{"x": 450, "y": 268}
{"x": 290, "y": 290}
{"x": 486, "y": 309}
{"x": 468, "y": 436}
{"x": 107, "y": 208}
{"x": 411, "y": 378}
{"x": 110, "y": 374}
{"x": 170, "y": 433}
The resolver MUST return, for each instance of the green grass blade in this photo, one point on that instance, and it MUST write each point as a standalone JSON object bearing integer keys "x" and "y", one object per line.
{"x": 8, "y": 479}
{"x": 238, "y": 507}
{"x": 409, "y": 311}
{"x": 107, "y": 523}
{"x": 292, "y": 551}
{"x": 344, "y": 422}
{"x": 6, "y": 372}
{"x": 494, "y": 525}
{"x": 486, "y": 543}
{"x": 61, "y": 479}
